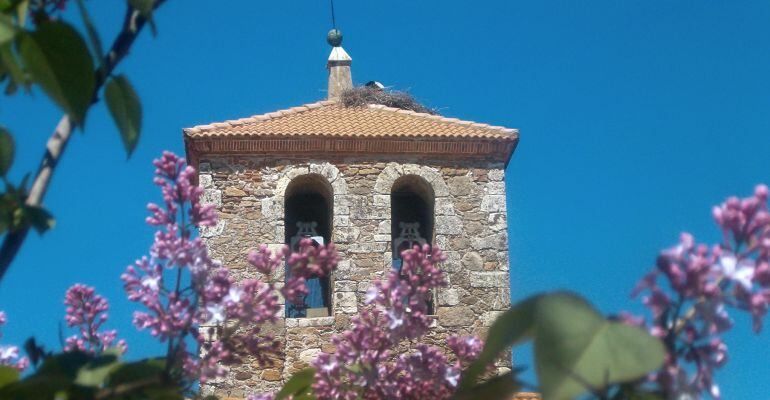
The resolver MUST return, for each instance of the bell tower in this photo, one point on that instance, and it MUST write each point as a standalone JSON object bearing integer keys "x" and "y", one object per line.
{"x": 374, "y": 180}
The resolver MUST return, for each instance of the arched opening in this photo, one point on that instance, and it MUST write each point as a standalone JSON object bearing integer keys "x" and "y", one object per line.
{"x": 412, "y": 204}
{"x": 308, "y": 212}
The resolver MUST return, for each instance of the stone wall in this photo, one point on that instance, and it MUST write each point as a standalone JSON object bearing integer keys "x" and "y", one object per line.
{"x": 470, "y": 226}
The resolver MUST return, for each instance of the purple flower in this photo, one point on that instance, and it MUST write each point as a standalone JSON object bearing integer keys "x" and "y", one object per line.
{"x": 176, "y": 308}
{"x": 9, "y": 355}
{"x": 704, "y": 282}
{"x": 87, "y": 311}
{"x": 395, "y": 315}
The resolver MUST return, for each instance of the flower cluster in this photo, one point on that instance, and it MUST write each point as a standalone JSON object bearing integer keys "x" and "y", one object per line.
{"x": 364, "y": 365}
{"x": 308, "y": 262}
{"x": 9, "y": 355}
{"x": 691, "y": 313}
{"x": 87, "y": 311}
{"x": 221, "y": 315}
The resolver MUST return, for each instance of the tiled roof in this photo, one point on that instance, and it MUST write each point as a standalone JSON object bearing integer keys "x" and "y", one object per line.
{"x": 329, "y": 118}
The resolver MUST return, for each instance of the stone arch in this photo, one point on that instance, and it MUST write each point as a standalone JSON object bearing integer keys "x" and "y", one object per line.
{"x": 412, "y": 200}
{"x": 328, "y": 171}
{"x": 393, "y": 171}
{"x": 322, "y": 178}
{"x": 381, "y": 201}
{"x": 305, "y": 196}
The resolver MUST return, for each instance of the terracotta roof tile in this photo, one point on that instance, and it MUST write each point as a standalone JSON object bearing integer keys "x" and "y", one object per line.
{"x": 329, "y": 118}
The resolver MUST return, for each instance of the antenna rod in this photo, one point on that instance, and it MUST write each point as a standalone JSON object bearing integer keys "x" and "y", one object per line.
{"x": 334, "y": 23}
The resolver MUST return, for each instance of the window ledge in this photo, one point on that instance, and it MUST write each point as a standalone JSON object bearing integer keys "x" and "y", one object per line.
{"x": 306, "y": 322}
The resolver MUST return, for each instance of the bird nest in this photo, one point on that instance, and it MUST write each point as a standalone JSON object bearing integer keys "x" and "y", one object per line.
{"x": 363, "y": 95}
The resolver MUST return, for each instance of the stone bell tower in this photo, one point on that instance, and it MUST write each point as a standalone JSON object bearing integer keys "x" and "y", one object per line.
{"x": 373, "y": 180}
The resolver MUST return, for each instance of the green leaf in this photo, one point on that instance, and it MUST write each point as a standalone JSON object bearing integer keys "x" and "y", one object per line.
{"x": 66, "y": 364}
{"x": 93, "y": 35}
{"x": 135, "y": 371}
{"x": 95, "y": 373}
{"x": 22, "y": 9}
{"x": 126, "y": 110}
{"x": 498, "y": 388}
{"x": 58, "y": 60}
{"x": 511, "y": 327}
{"x": 577, "y": 349}
{"x": 7, "y": 149}
{"x": 38, "y": 386}
{"x": 8, "y": 375}
{"x": 38, "y": 218}
{"x": 7, "y": 29}
{"x": 10, "y": 61}
{"x": 297, "y": 385}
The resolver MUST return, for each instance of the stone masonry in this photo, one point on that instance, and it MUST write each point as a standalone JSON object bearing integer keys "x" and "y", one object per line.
{"x": 470, "y": 227}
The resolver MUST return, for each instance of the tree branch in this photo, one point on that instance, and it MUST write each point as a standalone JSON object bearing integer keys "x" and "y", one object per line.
{"x": 132, "y": 26}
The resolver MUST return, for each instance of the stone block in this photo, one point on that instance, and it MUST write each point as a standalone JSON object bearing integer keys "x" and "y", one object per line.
{"x": 381, "y": 201}
{"x": 495, "y": 187}
{"x": 328, "y": 171}
{"x": 472, "y": 261}
{"x": 440, "y": 188}
{"x": 492, "y": 279}
{"x": 452, "y": 263}
{"x": 455, "y": 316}
{"x": 497, "y": 222}
{"x": 367, "y": 247}
{"x": 444, "y": 206}
{"x": 341, "y": 221}
{"x": 383, "y": 227}
{"x": 307, "y": 356}
{"x": 441, "y": 241}
{"x": 348, "y": 234}
{"x": 448, "y": 225}
{"x": 346, "y": 302}
{"x": 212, "y": 196}
{"x": 271, "y": 375}
{"x": 311, "y": 322}
{"x": 496, "y": 174}
{"x": 461, "y": 186}
{"x": 234, "y": 192}
{"x": 489, "y": 317}
{"x": 448, "y": 297}
{"x": 345, "y": 286}
{"x": 296, "y": 171}
{"x": 497, "y": 241}
{"x": 205, "y": 181}
{"x": 340, "y": 187}
{"x": 272, "y": 208}
{"x": 212, "y": 231}
{"x": 493, "y": 203}
{"x": 344, "y": 269}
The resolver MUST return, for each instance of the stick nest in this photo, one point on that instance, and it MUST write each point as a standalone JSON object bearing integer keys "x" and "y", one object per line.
{"x": 363, "y": 95}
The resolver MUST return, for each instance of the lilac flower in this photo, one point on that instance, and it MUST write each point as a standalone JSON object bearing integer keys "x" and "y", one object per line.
{"x": 703, "y": 283}
{"x": 175, "y": 310}
{"x": 395, "y": 315}
{"x": 742, "y": 272}
{"x": 87, "y": 311}
{"x": 9, "y": 355}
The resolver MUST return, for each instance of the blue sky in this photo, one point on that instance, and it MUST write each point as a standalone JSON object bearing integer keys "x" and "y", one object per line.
{"x": 635, "y": 118}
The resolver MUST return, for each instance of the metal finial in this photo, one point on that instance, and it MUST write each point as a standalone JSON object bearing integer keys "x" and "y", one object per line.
{"x": 334, "y": 37}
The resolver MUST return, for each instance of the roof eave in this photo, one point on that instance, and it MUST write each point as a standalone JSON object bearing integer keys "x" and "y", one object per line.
{"x": 499, "y": 149}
